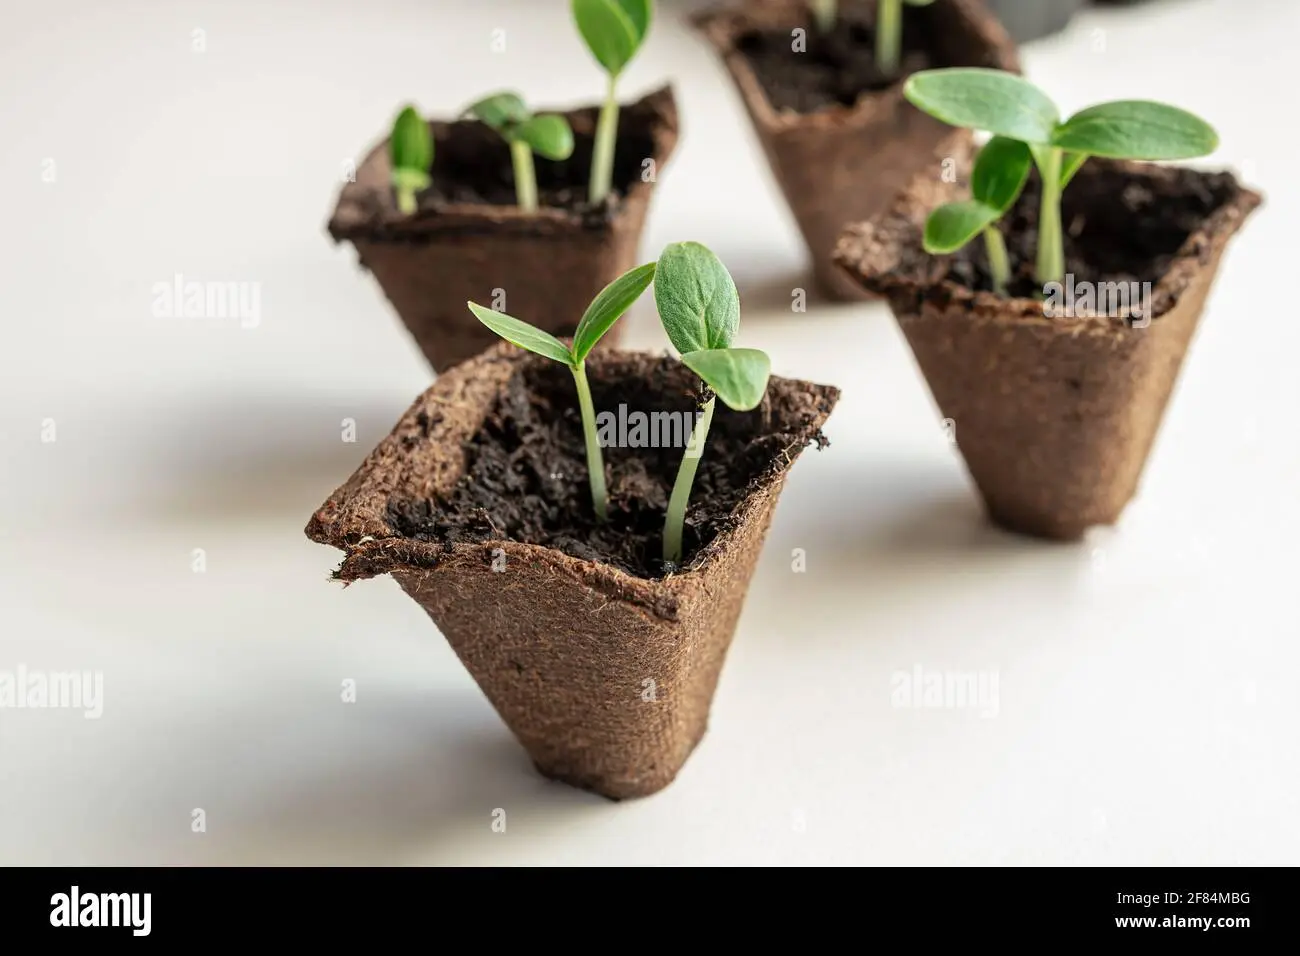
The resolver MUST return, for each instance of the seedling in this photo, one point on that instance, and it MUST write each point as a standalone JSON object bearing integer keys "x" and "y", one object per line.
{"x": 1027, "y": 128}
{"x": 410, "y": 149}
{"x": 614, "y": 31}
{"x": 606, "y": 309}
{"x": 700, "y": 310}
{"x": 547, "y": 135}
{"x": 889, "y": 27}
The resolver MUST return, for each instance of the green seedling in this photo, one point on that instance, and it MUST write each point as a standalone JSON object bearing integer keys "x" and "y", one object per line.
{"x": 889, "y": 32}
{"x": 700, "y": 310}
{"x": 410, "y": 150}
{"x": 606, "y": 309}
{"x": 548, "y": 135}
{"x": 1027, "y": 128}
{"x": 614, "y": 31}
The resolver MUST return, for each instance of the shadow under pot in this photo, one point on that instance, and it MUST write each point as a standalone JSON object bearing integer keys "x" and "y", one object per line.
{"x": 468, "y": 240}
{"x": 1057, "y": 392}
{"x": 839, "y": 137}
{"x": 601, "y": 664}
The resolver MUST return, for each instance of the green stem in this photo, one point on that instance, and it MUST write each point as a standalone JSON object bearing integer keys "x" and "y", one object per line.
{"x": 681, "y": 495}
{"x": 1051, "y": 243}
{"x": 824, "y": 13}
{"x": 999, "y": 264}
{"x": 889, "y": 35}
{"x": 595, "y": 461}
{"x": 602, "y": 154}
{"x": 406, "y": 200}
{"x": 525, "y": 175}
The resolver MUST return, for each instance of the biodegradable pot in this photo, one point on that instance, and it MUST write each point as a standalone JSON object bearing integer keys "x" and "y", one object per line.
{"x": 604, "y": 676}
{"x": 846, "y": 163}
{"x": 550, "y": 264}
{"x": 1055, "y": 416}
{"x": 1029, "y": 20}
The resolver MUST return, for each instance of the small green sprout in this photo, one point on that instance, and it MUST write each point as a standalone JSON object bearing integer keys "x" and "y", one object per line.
{"x": 547, "y": 135}
{"x": 889, "y": 32}
{"x": 700, "y": 310}
{"x": 614, "y": 31}
{"x": 410, "y": 150}
{"x": 606, "y": 309}
{"x": 1027, "y": 127}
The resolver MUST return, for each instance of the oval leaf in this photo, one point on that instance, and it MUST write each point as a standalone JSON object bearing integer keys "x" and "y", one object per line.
{"x": 1137, "y": 129}
{"x": 739, "y": 376}
{"x": 609, "y": 32}
{"x": 522, "y": 334}
{"x": 1000, "y": 173}
{"x": 499, "y": 110}
{"x": 608, "y": 307}
{"x": 952, "y": 226}
{"x": 549, "y": 136}
{"x": 411, "y": 145}
{"x": 696, "y": 297}
{"x": 992, "y": 100}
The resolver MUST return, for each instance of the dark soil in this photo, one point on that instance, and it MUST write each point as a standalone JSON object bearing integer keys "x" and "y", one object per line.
{"x": 836, "y": 68}
{"x": 526, "y": 472}
{"x": 1117, "y": 228}
{"x": 472, "y": 165}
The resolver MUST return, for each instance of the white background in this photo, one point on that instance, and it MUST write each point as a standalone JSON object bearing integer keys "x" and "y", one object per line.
{"x": 1147, "y": 706}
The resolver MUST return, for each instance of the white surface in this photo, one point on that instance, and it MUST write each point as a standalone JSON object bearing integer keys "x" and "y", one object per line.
{"x": 1146, "y": 708}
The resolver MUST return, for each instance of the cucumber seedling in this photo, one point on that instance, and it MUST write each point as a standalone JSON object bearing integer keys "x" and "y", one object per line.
{"x": 606, "y": 309}
{"x": 1027, "y": 129}
{"x": 547, "y": 135}
{"x": 410, "y": 150}
{"x": 613, "y": 31}
{"x": 700, "y": 311}
{"x": 889, "y": 27}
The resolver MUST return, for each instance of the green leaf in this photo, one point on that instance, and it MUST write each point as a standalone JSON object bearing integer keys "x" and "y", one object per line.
{"x": 608, "y": 307}
{"x": 1000, "y": 173}
{"x": 1071, "y": 164}
{"x": 953, "y": 225}
{"x": 696, "y": 297}
{"x": 549, "y": 136}
{"x": 522, "y": 334}
{"x": 411, "y": 145}
{"x": 640, "y": 13}
{"x": 609, "y": 32}
{"x": 739, "y": 376}
{"x": 1137, "y": 129}
{"x": 999, "y": 102}
{"x": 499, "y": 110}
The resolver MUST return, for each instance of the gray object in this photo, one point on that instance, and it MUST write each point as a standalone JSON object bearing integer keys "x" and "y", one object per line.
{"x": 1029, "y": 20}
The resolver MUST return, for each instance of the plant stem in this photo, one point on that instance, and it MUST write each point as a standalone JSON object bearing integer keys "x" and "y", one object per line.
{"x": 602, "y": 154}
{"x": 1051, "y": 243}
{"x": 824, "y": 13}
{"x": 595, "y": 461}
{"x": 999, "y": 264}
{"x": 406, "y": 200}
{"x": 889, "y": 35}
{"x": 681, "y": 495}
{"x": 525, "y": 175}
